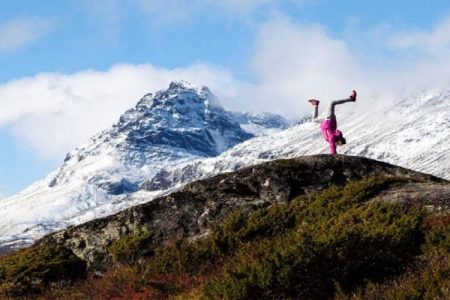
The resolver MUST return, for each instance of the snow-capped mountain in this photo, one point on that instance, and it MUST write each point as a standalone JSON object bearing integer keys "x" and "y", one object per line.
{"x": 177, "y": 125}
{"x": 180, "y": 123}
{"x": 172, "y": 137}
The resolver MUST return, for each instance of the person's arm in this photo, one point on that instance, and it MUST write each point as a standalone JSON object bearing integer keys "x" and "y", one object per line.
{"x": 333, "y": 147}
{"x": 331, "y": 141}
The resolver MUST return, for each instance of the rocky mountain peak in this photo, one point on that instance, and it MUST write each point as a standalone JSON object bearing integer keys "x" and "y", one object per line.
{"x": 178, "y": 93}
{"x": 182, "y": 116}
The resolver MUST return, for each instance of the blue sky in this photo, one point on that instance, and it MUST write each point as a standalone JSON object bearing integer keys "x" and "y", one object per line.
{"x": 69, "y": 68}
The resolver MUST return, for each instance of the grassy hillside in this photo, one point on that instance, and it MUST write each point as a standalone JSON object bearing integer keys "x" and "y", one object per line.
{"x": 331, "y": 244}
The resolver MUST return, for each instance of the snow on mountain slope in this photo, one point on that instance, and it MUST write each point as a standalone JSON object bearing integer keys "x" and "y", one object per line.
{"x": 260, "y": 124}
{"x": 148, "y": 154}
{"x": 413, "y": 132}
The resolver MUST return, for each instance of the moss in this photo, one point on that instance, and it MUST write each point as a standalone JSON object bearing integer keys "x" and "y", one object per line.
{"x": 32, "y": 269}
{"x": 130, "y": 247}
{"x": 288, "y": 163}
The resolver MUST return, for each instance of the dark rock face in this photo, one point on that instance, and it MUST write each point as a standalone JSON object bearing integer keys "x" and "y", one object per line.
{"x": 189, "y": 212}
{"x": 164, "y": 179}
{"x": 184, "y": 118}
{"x": 117, "y": 188}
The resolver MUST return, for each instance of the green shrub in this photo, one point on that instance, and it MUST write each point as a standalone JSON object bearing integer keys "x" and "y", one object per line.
{"x": 438, "y": 234}
{"x": 32, "y": 269}
{"x": 336, "y": 240}
{"x": 131, "y": 247}
{"x": 428, "y": 280}
{"x": 239, "y": 228}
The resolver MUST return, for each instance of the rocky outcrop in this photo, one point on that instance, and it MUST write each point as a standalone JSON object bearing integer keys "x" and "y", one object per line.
{"x": 435, "y": 196}
{"x": 189, "y": 212}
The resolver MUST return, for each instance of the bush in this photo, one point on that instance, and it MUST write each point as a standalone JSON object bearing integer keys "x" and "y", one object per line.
{"x": 336, "y": 240}
{"x": 430, "y": 279}
{"x": 130, "y": 247}
{"x": 30, "y": 270}
{"x": 438, "y": 234}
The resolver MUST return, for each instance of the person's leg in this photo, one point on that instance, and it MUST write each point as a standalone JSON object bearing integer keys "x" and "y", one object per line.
{"x": 315, "y": 112}
{"x": 331, "y": 110}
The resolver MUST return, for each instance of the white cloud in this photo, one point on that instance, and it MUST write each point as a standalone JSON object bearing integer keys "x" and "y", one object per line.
{"x": 19, "y": 33}
{"x": 294, "y": 62}
{"x": 52, "y": 113}
{"x": 434, "y": 42}
{"x": 427, "y": 53}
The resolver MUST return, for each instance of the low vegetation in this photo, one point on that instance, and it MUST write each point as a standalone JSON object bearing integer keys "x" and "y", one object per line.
{"x": 131, "y": 247}
{"x": 31, "y": 270}
{"x": 330, "y": 244}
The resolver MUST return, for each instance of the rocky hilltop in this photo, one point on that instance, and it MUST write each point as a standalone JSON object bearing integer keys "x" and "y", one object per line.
{"x": 309, "y": 227}
{"x": 189, "y": 212}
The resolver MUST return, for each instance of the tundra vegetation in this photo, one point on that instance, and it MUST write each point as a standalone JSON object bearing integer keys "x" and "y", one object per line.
{"x": 336, "y": 243}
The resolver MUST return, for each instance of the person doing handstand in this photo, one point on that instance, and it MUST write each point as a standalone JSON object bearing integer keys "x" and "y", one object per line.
{"x": 329, "y": 126}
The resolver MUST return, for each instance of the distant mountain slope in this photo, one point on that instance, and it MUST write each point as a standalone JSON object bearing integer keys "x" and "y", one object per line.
{"x": 261, "y": 124}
